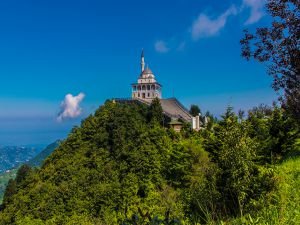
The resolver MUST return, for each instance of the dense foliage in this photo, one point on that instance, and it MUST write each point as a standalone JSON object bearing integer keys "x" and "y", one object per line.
{"x": 123, "y": 166}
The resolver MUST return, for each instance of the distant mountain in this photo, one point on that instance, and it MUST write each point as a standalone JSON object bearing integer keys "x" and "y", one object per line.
{"x": 39, "y": 159}
{"x": 13, "y": 156}
{"x": 36, "y": 161}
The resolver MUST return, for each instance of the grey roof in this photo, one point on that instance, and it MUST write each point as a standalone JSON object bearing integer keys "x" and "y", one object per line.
{"x": 172, "y": 108}
{"x": 147, "y": 71}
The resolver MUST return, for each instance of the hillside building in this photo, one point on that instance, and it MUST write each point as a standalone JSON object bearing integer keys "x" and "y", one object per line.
{"x": 147, "y": 88}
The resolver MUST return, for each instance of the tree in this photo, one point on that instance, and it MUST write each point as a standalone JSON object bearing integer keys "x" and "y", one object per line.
{"x": 195, "y": 110}
{"x": 278, "y": 46}
{"x": 155, "y": 113}
{"x": 22, "y": 173}
{"x": 236, "y": 155}
{"x": 10, "y": 190}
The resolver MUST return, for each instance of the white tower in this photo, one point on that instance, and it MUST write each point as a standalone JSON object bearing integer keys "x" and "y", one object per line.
{"x": 146, "y": 88}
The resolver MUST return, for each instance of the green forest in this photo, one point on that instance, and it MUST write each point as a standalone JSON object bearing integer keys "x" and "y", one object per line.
{"x": 122, "y": 166}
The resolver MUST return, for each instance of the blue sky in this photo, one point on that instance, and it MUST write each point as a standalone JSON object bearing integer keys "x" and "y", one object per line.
{"x": 49, "y": 49}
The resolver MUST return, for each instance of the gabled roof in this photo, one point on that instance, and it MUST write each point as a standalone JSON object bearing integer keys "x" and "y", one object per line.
{"x": 172, "y": 108}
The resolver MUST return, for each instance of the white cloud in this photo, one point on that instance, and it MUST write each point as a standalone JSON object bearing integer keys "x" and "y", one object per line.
{"x": 208, "y": 26}
{"x": 70, "y": 107}
{"x": 256, "y": 10}
{"x": 204, "y": 26}
{"x": 161, "y": 46}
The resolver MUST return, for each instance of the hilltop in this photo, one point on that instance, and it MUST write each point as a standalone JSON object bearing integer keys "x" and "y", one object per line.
{"x": 124, "y": 166}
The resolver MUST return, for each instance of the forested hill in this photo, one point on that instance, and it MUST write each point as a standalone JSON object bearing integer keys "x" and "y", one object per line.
{"x": 122, "y": 166}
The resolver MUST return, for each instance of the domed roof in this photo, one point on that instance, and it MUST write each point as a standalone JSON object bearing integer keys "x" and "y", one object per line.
{"x": 147, "y": 71}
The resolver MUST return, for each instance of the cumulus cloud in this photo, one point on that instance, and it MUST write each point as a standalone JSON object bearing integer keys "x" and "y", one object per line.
{"x": 204, "y": 26}
{"x": 161, "y": 46}
{"x": 70, "y": 107}
{"x": 256, "y": 10}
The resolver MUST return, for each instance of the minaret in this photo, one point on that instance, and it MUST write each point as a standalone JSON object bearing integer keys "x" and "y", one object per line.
{"x": 146, "y": 88}
{"x": 142, "y": 61}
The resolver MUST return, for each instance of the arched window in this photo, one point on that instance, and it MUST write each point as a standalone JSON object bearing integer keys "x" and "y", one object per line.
{"x": 148, "y": 87}
{"x": 143, "y": 87}
{"x": 139, "y": 88}
{"x": 153, "y": 87}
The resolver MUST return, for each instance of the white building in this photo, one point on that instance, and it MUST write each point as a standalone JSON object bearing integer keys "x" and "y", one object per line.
{"x": 146, "y": 88}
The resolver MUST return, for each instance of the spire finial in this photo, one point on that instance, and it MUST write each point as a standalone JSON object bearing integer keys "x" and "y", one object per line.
{"x": 142, "y": 53}
{"x": 142, "y": 61}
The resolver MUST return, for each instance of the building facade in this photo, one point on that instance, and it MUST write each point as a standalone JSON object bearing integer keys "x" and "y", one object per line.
{"x": 146, "y": 88}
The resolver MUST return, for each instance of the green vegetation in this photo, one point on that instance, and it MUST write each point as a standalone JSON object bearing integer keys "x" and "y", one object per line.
{"x": 34, "y": 162}
{"x": 4, "y": 178}
{"x": 38, "y": 160}
{"x": 284, "y": 208}
{"x": 122, "y": 166}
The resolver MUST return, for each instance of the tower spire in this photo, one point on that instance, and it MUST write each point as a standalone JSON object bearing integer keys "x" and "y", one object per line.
{"x": 142, "y": 61}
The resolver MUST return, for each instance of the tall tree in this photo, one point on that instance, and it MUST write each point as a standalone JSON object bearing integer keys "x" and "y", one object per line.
{"x": 236, "y": 156}
{"x": 10, "y": 190}
{"x": 278, "y": 46}
{"x": 155, "y": 113}
{"x": 22, "y": 173}
{"x": 195, "y": 110}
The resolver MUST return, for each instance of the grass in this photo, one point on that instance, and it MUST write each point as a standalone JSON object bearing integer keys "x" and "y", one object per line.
{"x": 285, "y": 208}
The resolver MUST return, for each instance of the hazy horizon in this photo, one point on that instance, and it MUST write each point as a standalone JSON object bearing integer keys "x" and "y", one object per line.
{"x": 91, "y": 51}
